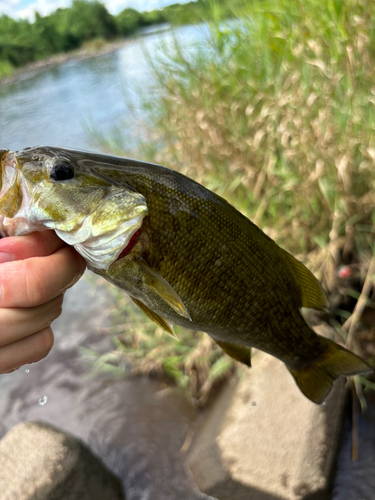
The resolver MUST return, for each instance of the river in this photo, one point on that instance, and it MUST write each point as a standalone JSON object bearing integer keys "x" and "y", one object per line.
{"x": 139, "y": 439}
{"x": 55, "y": 106}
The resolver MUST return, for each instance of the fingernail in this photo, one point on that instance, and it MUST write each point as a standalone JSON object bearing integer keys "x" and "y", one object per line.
{"x": 6, "y": 257}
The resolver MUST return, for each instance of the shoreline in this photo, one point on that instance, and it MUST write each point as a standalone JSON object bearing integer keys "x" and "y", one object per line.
{"x": 33, "y": 68}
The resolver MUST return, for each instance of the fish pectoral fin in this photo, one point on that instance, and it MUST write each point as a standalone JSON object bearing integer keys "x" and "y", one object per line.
{"x": 236, "y": 351}
{"x": 161, "y": 287}
{"x": 312, "y": 293}
{"x": 158, "y": 320}
{"x": 316, "y": 379}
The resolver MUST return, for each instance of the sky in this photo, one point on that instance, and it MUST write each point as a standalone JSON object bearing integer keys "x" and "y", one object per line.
{"x": 26, "y": 8}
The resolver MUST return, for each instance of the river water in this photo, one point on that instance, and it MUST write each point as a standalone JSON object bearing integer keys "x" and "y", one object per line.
{"x": 137, "y": 426}
{"x": 55, "y": 107}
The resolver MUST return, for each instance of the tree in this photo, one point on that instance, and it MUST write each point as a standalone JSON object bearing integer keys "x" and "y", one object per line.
{"x": 128, "y": 21}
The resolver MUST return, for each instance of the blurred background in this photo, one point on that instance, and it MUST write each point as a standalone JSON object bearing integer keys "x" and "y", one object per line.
{"x": 271, "y": 105}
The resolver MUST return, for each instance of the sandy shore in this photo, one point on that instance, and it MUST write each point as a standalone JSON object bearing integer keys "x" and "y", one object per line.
{"x": 31, "y": 69}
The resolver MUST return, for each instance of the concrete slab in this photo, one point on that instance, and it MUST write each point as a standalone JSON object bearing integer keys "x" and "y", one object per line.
{"x": 263, "y": 440}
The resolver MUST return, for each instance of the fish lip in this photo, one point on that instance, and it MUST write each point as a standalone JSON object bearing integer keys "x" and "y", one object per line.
{"x": 3, "y": 152}
{"x": 8, "y": 158}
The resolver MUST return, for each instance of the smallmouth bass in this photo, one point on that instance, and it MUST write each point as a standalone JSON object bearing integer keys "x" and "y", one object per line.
{"x": 183, "y": 254}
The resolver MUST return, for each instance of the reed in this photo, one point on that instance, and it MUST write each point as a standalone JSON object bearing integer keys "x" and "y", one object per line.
{"x": 276, "y": 113}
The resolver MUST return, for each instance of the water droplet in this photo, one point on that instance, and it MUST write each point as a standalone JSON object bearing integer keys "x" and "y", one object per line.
{"x": 324, "y": 403}
{"x": 254, "y": 403}
{"x": 43, "y": 400}
{"x": 27, "y": 370}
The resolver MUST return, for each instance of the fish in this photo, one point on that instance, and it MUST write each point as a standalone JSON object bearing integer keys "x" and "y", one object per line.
{"x": 183, "y": 254}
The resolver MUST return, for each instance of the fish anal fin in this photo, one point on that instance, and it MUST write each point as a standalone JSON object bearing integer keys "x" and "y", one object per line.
{"x": 158, "y": 320}
{"x": 312, "y": 293}
{"x": 316, "y": 380}
{"x": 161, "y": 287}
{"x": 236, "y": 351}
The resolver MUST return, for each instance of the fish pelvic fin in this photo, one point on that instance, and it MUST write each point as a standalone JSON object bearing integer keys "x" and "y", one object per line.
{"x": 312, "y": 293}
{"x": 237, "y": 352}
{"x": 158, "y": 320}
{"x": 316, "y": 380}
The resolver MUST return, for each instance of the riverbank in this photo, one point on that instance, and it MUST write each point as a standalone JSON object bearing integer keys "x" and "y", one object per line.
{"x": 93, "y": 48}
{"x": 86, "y": 52}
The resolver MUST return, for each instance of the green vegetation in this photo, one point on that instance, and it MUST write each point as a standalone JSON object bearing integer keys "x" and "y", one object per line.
{"x": 282, "y": 105}
{"x": 63, "y": 30}
{"x": 22, "y": 42}
{"x": 276, "y": 114}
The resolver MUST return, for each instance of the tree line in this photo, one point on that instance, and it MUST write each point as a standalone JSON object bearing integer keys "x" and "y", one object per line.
{"x": 66, "y": 29}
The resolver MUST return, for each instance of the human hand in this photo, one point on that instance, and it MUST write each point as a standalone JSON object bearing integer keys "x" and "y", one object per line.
{"x": 35, "y": 271}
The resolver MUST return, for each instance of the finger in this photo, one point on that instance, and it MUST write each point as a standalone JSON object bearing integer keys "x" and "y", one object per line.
{"x": 25, "y": 351}
{"x": 35, "y": 281}
{"x": 33, "y": 245}
{"x": 17, "y": 323}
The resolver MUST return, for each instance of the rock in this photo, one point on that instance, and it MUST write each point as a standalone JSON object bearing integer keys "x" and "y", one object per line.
{"x": 40, "y": 462}
{"x": 263, "y": 440}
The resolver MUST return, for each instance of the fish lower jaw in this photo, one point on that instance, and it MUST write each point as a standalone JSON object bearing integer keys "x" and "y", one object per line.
{"x": 102, "y": 250}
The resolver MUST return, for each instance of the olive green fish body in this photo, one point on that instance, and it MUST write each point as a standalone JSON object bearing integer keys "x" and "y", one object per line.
{"x": 231, "y": 277}
{"x": 183, "y": 254}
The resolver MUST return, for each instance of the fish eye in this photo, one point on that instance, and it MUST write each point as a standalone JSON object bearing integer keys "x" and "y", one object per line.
{"x": 61, "y": 170}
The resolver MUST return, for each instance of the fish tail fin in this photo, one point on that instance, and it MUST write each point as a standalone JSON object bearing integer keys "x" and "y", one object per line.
{"x": 316, "y": 380}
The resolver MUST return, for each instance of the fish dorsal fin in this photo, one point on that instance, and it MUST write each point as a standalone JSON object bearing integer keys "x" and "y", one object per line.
{"x": 237, "y": 352}
{"x": 162, "y": 288}
{"x": 312, "y": 293}
{"x": 161, "y": 322}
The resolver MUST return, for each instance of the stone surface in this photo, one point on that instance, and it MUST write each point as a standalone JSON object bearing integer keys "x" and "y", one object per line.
{"x": 39, "y": 462}
{"x": 264, "y": 440}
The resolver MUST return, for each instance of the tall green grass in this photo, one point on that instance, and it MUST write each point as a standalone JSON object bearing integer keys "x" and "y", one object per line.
{"x": 276, "y": 113}
{"x": 282, "y": 107}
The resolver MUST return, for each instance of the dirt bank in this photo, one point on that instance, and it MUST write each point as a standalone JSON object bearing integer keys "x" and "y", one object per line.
{"x": 57, "y": 59}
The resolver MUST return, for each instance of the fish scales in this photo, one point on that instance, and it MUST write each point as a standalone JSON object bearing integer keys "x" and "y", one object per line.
{"x": 183, "y": 254}
{"x": 208, "y": 288}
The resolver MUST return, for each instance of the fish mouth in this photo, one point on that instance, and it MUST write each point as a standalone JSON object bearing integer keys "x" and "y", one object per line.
{"x": 3, "y": 152}
{"x": 14, "y": 197}
{"x": 11, "y": 195}
{"x": 8, "y": 170}
{"x": 8, "y": 167}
